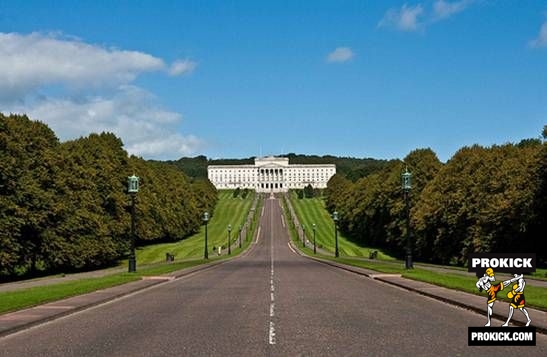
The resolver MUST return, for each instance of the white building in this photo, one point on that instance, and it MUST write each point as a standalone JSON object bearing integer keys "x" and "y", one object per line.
{"x": 270, "y": 174}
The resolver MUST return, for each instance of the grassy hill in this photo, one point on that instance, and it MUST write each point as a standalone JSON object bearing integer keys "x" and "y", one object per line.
{"x": 229, "y": 210}
{"x": 312, "y": 210}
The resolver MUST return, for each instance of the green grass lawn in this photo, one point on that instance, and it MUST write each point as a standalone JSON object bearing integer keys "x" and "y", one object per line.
{"x": 20, "y": 299}
{"x": 151, "y": 259}
{"x": 229, "y": 210}
{"x": 309, "y": 211}
{"x": 312, "y": 210}
{"x": 535, "y": 296}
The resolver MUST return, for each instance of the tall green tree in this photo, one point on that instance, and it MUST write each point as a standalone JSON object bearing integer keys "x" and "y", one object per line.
{"x": 206, "y": 196}
{"x": 27, "y": 191}
{"x": 92, "y": 224}
{"x": 481, "y": 201}
{"x": 167, "y": 208}
{"x": 535, "y": 241}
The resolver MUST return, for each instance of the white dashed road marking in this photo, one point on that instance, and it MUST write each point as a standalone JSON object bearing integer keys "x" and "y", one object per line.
{"x": 271, "y": 336}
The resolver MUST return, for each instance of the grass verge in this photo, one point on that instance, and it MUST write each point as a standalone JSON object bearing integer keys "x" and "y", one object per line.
{"x": 535, "y": 296}
{"x": 19, "y": 299}
{"x": 312, "y": 210}
{"x": 25, "y": 298}
{"x": 229, "y": 211}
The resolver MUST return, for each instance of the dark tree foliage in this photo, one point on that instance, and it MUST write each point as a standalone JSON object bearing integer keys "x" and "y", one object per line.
{"x": 236, "y": 192}
{"x": 482, "y": 200}
{"x": 309, "y": 192}
{"x": 65, "y": 206}
{"x": 536, "y": 241}
{"x": 352, "y": 168}
{"x": 91, "y": 222}
{"x": 192, "y": 166}
{"x": 338, "y": 188}
{"x": 27, "y": 192}
{"x": 206, "y": 195}
{"x": 196, "y": 167}
{"x": 167, "y": 208}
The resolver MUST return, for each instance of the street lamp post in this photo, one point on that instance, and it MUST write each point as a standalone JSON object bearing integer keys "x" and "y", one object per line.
{"x": 240, "y": 228}
{"x": 406, "y": 178}
{"x": 304, "y": 236}
{"x": 335, "y": 218}
{"x": 132, "y": 189}
{"x": 229, "y": 238}
{"x": 314, "y": 247}
{"x": 206, "y": 219}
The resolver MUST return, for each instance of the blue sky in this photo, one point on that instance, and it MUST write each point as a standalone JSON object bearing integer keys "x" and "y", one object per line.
{"x": 233, "y": 79}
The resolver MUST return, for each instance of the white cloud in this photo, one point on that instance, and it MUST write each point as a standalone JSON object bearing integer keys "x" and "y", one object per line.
{"x": 340, "y": 54}
{"x": 541, "y": 40}
{"x": 131, "y": 113}
{"x": 172, "y": 146}
{"x": 404, "y": 19}
{"x": 444, "y": 9}
{"x": 182, "y": 67}
{"x": 28, "y": 62}
{"x": 79, "y": 88}
{"x": 414, "y": 18}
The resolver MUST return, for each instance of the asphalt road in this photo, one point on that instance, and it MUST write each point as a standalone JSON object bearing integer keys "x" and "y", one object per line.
{"x": 270, "y": 302}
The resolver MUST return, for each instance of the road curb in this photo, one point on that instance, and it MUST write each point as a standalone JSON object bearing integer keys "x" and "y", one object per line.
{"x": 19, "y": 320}
{"x": 40, "y": 314}
{"x": 461, "y": 304}
{"x": 384, "y": 278}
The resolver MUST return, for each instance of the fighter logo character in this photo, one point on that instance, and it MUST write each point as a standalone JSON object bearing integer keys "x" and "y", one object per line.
{"x": 517, "y": 300}
{"x": 485, "y": 283}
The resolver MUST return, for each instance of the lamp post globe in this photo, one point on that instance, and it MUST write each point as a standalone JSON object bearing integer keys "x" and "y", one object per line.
{"x": 133, "y": 184}
{"x": 406, "y": 180}
{"x": 406, "y": 185}
{"x": 206, "y": 220}
{"x": 132, "y": 189}
{"x": 335, "y": 219}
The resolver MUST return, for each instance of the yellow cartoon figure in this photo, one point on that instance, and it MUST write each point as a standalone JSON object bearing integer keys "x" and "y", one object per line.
{"x": 517, "y": 300}
{"x": 485, "y": 283}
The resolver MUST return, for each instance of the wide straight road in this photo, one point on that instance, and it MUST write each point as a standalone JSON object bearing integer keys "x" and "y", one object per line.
{"x": 270, "y": 302}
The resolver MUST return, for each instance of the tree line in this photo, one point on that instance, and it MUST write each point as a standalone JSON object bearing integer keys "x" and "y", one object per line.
{"x": 350, "y": 167}
{"x": 65, "y": 207}
{"x": 484, "y": 199}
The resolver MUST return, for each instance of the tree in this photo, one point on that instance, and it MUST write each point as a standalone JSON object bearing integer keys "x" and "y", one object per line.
{"x": 337, "y": 188}
{"x": 91, "y": 227}
{"x": 236, "y": 192}
{"x": 65, "y": 207}
{"x": 535, "y": 241}
{"x": 206, "y": 195}
{"x": 308, "y": 191}
{"x": 480, "y": 201}
{"x": 27, "y": 176}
